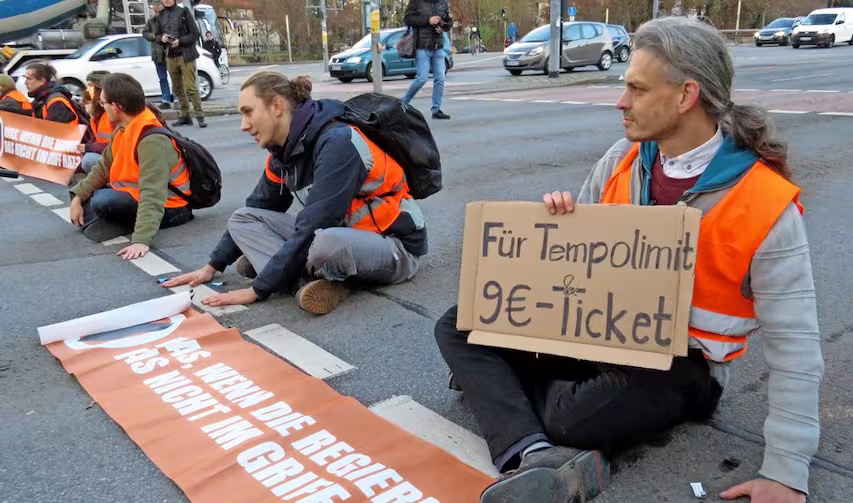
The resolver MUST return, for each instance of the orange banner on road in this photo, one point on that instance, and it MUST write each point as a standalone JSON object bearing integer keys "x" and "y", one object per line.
{"x": 229, "y": 422}
{"x": 39, "y": 148}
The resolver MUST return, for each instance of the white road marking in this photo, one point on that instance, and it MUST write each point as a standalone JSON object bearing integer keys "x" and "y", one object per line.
{"x": 63, "y": 213}
{"x": 115, "y": 241}
{"x": 28, "y": 188}
{"x": 153, "y": 264}
{"x": 839, "y": 114}
{"x": 747, "y": 90}
{"x": 201, "y": 292}
{"x": 511, "y": 99}
{"x": 794, "y": 112}
{"x": 461, "y": 98}
{"x": 544, "y": 101}
{"x": 605, "y": 104}
{"x": 45, "y": 199}
{"x": 306, "y": 355}
{"x": 801, "y": 77}
{"x": 785, "y": 91}
{"x": 426, "y": 424}
{"x": 574, "y": 102}
{"x": 485, "y": 99}
{"x": 821, "y": 91}
{"x": 14, "y": 180}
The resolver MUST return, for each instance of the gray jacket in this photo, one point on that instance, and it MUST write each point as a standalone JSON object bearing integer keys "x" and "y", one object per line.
{"x": 158, "y": 51}
{"x": 179, "y": 22}
{"x": 784, "y": 301}
{"x": 418, "y": 14}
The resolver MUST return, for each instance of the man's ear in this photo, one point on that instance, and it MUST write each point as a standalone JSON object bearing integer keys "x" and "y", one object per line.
{"x": 689, "y": 95}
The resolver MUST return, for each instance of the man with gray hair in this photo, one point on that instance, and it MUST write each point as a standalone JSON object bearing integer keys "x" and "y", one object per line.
{"x": 547, "y": 419}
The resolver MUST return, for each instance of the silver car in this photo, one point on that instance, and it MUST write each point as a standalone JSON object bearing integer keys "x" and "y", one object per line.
{"x": 584, "y": 43}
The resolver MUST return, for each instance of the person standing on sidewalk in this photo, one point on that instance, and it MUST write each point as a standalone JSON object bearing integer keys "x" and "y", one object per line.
{"x": 177, "y": 33}
{"x": 430, "y": 19}
{"x": 158, "y": 55}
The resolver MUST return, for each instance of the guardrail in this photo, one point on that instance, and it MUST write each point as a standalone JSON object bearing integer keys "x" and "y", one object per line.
{"x": 741, "y": 36}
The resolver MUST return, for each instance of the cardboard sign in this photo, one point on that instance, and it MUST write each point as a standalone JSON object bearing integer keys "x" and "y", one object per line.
{"x": 609, "y": 283}
{"x": 39, "y": 148}
{"x": 228, "y": 421}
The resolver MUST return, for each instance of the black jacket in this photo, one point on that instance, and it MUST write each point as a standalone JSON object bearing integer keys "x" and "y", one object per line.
{"x": 178, "y": 22}
{"x": 158, "y": 51}
{"x": 58, "y": 112}
{"x": 324, "y": 159}
{"x": 418, "y": 14}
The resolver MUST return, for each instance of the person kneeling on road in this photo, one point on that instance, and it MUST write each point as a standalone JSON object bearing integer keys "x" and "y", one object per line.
{"x": 687, "y": 143}
{"x": 357, "y": 222}
{"x": 128, "y": 189}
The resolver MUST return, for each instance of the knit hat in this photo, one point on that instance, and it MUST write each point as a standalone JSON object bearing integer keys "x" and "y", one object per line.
{"x": 96, "y": 77}
{"x": 6, "y": 83}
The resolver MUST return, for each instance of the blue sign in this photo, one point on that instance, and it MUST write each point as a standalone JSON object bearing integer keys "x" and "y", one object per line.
{"x": 573, "y": 11}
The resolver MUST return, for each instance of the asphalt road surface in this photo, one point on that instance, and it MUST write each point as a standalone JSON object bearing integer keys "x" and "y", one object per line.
{"x": 506, "y": 145}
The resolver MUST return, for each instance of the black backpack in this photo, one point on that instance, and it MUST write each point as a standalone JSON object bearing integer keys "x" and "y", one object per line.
{"x": 205, "y": 177}
{"x": 402, "y": 132}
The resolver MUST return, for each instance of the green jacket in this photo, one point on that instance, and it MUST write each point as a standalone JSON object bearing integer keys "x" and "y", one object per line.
{"x": 156, "y": 156}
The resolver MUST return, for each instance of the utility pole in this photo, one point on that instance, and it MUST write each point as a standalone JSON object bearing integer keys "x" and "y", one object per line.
{"x": 375, "y": 50}
{"x": 289, "y": 49}
{"x": 655, "y": 9}
{"x": 556, "y": 35}
{"x": 325, "y": 36}
{"x": 737, "y": 23}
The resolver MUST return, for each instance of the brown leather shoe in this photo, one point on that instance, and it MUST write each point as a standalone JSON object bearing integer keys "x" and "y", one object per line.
{"x": 321, "y": 296}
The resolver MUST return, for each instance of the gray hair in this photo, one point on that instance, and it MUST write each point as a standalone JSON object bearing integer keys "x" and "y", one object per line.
{"x": 693, "y": 50}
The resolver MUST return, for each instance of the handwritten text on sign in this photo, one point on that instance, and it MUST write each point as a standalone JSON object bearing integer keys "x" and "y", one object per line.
{"x": 605, "y": 275}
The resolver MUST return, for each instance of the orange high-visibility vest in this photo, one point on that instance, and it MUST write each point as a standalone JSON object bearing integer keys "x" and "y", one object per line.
{"x": 103, "y": 129}
{"x": 19, "y": 98}
{"x": 721, "y": 316}
{"x": 377, "y": 203}
{"x": 124, "y": 171}
{"x": 58, "y": 98}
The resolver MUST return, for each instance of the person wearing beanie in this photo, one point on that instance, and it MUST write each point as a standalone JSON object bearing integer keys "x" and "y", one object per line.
{"x": 12, "y": 100}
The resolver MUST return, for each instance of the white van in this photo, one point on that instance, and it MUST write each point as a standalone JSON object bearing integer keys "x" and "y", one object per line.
{"x": 824, "y": 28}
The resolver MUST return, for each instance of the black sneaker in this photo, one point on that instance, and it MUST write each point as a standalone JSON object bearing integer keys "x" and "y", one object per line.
{"x": 165, "y": 106}
{"x": 201, "y": 122}
{"x": 102, "y": 230}
{"x": 183, "y": 121}
{"x": 440, "y": 115}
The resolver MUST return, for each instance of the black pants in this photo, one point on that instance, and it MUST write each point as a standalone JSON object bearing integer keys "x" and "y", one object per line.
{"x": 519, "y": 397}
{"x": 120, "y": 208}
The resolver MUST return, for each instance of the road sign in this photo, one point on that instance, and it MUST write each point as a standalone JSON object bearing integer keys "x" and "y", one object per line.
{"x": 573, "y": 11}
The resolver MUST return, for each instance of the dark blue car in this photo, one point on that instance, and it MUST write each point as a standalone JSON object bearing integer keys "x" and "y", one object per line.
{"x": 622, "y": 43}
{"x": 777, "y": 32}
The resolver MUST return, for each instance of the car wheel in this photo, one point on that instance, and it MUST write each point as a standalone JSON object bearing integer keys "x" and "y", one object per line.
{"x": 74, "y": 87}
{"x": 411, "y": 75}
{"x": 785, "y": 41}
{"x": 624, "y": 53}
{"x": 545, "y": 66}
{"x": 758, "y": 44}
{"x": 205, "y": 86}
{"x": 831, "y": 42}
{"x": 369, "y": 72}
{"x": 515, "y": 73}
{"x": 850, "y": 42}
{"x": 605, "y": 62}
{"x": 795, "y": 46}
{"x": 345, "y": 80}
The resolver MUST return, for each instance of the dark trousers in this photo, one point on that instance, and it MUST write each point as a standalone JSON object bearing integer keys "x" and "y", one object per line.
{"x": 120, "y": 208}
{"x": 519, "y": 397}
{"x": 163, "y": 76}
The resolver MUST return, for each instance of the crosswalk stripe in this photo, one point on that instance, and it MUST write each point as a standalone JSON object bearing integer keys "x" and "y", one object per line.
{"x": 299, "y": 351}
{"x": 443, "y": 433}
{"x": 63, "y": 213}
{"x": 201, "y": 292}
{"x": 115, "y": 241}
{"x": 153, "y": 265}
{"x": 46, "y": 199}
{"x": 27, "y": 188}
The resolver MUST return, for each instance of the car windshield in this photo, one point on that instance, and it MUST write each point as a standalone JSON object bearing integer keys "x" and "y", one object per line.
{"x": 363, "y": 43}
{"x": 541, "y": 34}
{"x": 81, "y": 51}
{"x": 781, "y": 23}
{"x": 820, "y": 19}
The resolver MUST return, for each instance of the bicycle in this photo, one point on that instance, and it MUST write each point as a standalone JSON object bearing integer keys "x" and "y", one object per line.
{"x": 224, "y": 73}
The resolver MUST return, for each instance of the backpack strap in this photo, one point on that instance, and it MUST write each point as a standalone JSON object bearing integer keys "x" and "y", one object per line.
{"x": 149, "y": 130}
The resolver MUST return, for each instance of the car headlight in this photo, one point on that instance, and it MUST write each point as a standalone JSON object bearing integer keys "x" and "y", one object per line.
{"x": 757, "y": 34}
{"x": 536, "y": 52}
{"x": 780, "y": 33}
{"x": 354, "y": 59}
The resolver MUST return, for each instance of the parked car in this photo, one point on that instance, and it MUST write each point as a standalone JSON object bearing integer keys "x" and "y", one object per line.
{"x": 584, "y": 43}
{"x": 777, "y": 32}
{"x": 824, "y": 28}
{"x": 356, "y": 62}
{"x": 622, "y": 43}
{"x": 130, "y": 54}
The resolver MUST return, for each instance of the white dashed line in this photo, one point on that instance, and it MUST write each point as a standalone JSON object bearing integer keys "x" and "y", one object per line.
{"x": 153, "y": 264}
{"x": 838, "y": 114}
{"x": 605, "y": 104}
{"x": 822, "y": 91}
{"x": 27, "y": 188}
{"x": 116, "y": 241}
{"x": 462, "y": 98}
{"x": 485, "y": 99}
{"x": 574, "y": 102}
{"x": 511, "y": 99}
{"x": 793, "y": 112}
{"x": 435, "y": 429}
{"x": 746, "y": 90}
{"x": 544, "y": 101}
{"x": 306, "y": 355}
{"x": 785, "y": 91}
{"x": 46, "y": 199}
{"x": 63, "y": 213}
{"x": 201, "y": 292}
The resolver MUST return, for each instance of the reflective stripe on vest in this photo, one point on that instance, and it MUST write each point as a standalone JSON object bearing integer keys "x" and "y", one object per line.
{"x": 124, "y": 171}
{"x": 271, "y": 175}
{"x": 377, "y": 204}
{"x": 60, "y": 99}
{"x": 731, "y": 231}
{"x": 104, "y": 129}
{"x": 19, "y": 97}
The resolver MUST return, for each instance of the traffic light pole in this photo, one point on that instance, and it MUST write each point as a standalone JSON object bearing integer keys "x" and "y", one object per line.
{"x": 376, "y": 64}
{"x": 556, "y": 28}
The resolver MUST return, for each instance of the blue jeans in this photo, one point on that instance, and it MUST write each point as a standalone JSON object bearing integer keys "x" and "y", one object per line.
{"x": 163, "y": 75}
{"x": 90, "y": 159}
{"x": 119, "y": 208}
{"x": 427, "y": 60}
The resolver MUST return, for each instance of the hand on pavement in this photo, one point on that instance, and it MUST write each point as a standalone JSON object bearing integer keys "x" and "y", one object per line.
{"x": 764, "y": 491}
{"x": 559, "y": 202}
{"x": 133, "y": 251}
{"x": 193, "y": 278}
{"x": 244, "y": 296}
{"x": 77, "y": 212}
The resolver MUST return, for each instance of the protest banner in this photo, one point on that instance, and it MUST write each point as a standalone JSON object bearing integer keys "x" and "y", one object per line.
{"x": 228, "y": 421}
{"x": 39, "y": 148}
{"x": 608, "y": 283}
